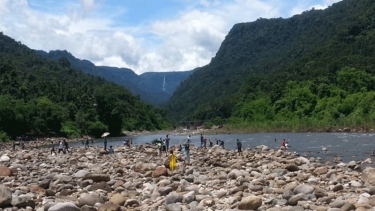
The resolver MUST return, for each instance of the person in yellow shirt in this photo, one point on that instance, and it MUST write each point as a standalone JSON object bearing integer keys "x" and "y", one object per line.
{"x": 173, "y": 161}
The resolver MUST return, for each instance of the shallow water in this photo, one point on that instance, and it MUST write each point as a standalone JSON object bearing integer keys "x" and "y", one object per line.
{"x": 349, "y": 146}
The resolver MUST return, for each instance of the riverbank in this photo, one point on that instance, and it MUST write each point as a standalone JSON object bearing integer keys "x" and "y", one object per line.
{"x": 135, "y": 178}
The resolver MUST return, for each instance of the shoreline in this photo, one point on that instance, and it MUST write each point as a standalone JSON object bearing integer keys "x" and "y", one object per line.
{"x": 136, "y": 178}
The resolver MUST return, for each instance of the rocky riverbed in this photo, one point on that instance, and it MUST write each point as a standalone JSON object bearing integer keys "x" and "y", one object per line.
{"x": 136, "y": 178}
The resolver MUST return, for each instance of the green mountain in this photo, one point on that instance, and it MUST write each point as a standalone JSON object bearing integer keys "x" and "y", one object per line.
{"x": 44, "y": 97}
{"x": 311, "y": 70}
{"x": 154, "y": 87}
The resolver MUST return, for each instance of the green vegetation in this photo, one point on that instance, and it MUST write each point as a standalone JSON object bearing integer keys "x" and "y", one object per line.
{"x": 42, "y": 97}
{"x": 314, "y": 70}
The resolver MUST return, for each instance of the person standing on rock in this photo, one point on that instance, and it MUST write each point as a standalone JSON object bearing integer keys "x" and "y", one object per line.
{"x": 167, "y": 143}
{"x": 187, "y": 154}
{"x": 173, "y": 161}
{"x": 61, "y": 147}
{"x": 159, "y": 148}
{"x": 66, "y": 146}
{"x": 105, "y": 143}
{"x": 222, "y": 143}
{"x": 202, "y": 139}
{"x": 239, "y": 147}
{"x": 53, "y": 148}
{"x": 87, "y": 143}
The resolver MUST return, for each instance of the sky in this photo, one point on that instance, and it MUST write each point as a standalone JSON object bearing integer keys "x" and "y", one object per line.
{"x": 143, "y": 35}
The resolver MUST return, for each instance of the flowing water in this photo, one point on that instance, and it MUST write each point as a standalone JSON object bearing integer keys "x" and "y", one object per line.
{"x": 348, "y": 146}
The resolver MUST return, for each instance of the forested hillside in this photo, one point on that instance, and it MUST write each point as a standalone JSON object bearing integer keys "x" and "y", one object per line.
{"x": 42, "y": 97}
{"x": 311, "y": 70}
{"x": 149, "y": 86}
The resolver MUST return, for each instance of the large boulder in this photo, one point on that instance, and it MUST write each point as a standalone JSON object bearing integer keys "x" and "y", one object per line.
{"x": 235, "y": 173}
{"x": 303, "y": 188}
{"x": 5, "y": 196}
{"x": 250, "y": 203}
{"x": 173, "y": 197}
{"x": 144, "y": 167}
{"x": 81, "y": 174}
{"x": 5, "y": 171}
{"x": 368, "y": 175}
{"x": 21, "y": 202}
{"x": 160, "y": 171}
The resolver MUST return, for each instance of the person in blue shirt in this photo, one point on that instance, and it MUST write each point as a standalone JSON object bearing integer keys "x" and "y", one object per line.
{"x": 110, "y": 150}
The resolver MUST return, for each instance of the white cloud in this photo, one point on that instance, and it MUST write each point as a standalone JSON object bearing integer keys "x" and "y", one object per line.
{"x": 304, "y": 5}
{"x": 91, "y": 30}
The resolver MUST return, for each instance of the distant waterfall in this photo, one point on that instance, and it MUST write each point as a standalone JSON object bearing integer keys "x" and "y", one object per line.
{"x": 164, "y": 84}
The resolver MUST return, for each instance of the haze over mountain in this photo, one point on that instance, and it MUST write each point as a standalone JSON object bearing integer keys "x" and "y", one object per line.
{"x": 310, "y": 70}
{"x": 153, "y": 87}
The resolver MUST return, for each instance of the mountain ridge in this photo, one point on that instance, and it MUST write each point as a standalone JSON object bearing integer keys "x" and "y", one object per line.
{"x": 150, "y": 90}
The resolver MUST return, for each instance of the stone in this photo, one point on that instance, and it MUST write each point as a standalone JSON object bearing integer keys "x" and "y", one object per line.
{"x": 4, "y": 158}
{"x": 368, "y": 175}
{"x": 131, "y": 203}
{"x": 100, "y": 185}
{"x": 81, "y": 174}
{"x": 163, "y": 191}
{"x": 64, "y": 206}
{"x": 235, "y": 173}
{"x": 5, "y": 171}
{"x": 173, "y": 207}
{"x": 89, "y": 199}
{"x": 207, "y": 202}
{"x": 160, "y": 171}
{"x": 337, "y": 203}
{"x": 5, "y": 196}
{"x": 250, "y": 203}
{"x": 88, "y": 208}
{"x": 44, "y": 183}
{"x": 337, "y": 188}
{"x": 287, "y": 194}
{"x": 188, "y": 197}
{"x": 26, "y": 157}
{"x": 118, "y": 199}
{"x": 291, "y": 167}
{"x": 296, "y": 198}
{"x": 23, "y": 202}
{"x": 109, "y": 206}
{"x": 97, "y": 177}
{"x": 348, "y": 207}
{"x": 320, "y": 170}
{"x": 173, "y": 197}
{"x": 303, "y": 188}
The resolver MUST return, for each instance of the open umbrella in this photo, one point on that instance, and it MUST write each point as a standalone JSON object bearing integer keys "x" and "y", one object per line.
{"x": 105, "y": 134}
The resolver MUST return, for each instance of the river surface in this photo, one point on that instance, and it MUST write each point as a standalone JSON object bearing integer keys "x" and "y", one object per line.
{"x": 348, "y": 146}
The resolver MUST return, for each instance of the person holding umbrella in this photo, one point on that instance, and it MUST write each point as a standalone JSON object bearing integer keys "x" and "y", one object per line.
{"x": 105, "y": 140}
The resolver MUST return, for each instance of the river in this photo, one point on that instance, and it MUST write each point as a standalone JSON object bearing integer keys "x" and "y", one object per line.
{"x": 348, "y": 146}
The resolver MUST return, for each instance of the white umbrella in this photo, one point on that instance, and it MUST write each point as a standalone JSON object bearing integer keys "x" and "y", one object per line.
{"x": 105, "y": 134}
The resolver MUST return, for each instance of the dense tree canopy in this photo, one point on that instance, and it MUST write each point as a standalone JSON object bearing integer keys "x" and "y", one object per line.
{"x": 41, "y": 96}
{"x": 313, "y": 69}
